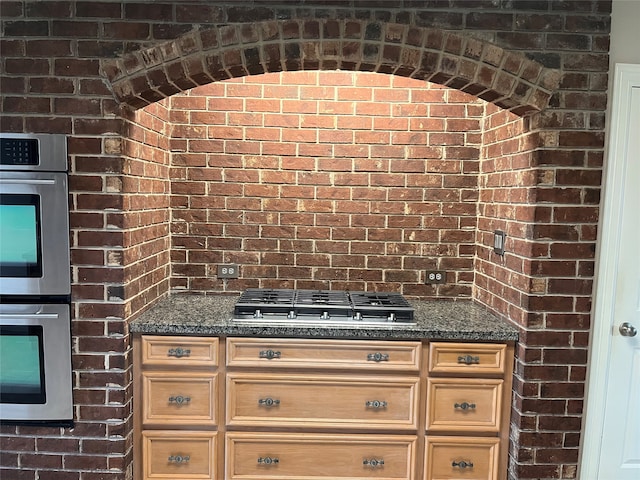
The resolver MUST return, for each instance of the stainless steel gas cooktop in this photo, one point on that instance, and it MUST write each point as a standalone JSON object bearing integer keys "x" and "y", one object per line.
{"x": 258, "y": 305}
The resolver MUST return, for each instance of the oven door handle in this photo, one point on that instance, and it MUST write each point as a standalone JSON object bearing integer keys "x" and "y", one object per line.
{"x": 25, "y": 181}
{"x": 29, "y": 315}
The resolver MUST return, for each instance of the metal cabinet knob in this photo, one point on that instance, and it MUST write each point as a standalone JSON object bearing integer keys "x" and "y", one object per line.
{"x": 464, "y": 406}
{"x": 627, "y": 330}
{"x": 462, "y": 464}
{"x": 468, "y": 359}
{"x": 373, "y": 463}
{"x": 179, "y": 399}
{"x": 178, "y": 352}
{"x": 269, "y": 354}
{"x": 268, "y": 460}
{"x": 268, "y": 402}
{"x": 378, "y": 357}
{"x": 179, "y": 459}
{"x": 376, "y": 404}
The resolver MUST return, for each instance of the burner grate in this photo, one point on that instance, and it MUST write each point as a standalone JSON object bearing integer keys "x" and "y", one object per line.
{"x": 322, "y": 298}
{"x": 273, "y": 296}
{"x": 256, "y": 303}
{"x": 323, "y": 306}
{"x": 374, "y": 304}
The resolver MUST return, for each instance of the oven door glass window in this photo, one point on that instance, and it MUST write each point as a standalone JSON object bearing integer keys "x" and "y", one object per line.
{"x": 21, "y": 364}
{"x": 20, "y": 246}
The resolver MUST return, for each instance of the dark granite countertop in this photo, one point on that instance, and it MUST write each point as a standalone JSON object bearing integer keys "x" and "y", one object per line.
{"x": 210, "y": 315}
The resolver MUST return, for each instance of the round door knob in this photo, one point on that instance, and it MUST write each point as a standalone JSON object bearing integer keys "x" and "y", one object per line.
{"x": 627, "y": 330}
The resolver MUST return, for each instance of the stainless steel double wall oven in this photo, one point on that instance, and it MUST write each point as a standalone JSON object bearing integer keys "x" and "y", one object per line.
{"x": 35, "y": 281}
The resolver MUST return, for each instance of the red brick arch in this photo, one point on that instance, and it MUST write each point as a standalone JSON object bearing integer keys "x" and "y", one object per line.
{"x": 508, "y": 79}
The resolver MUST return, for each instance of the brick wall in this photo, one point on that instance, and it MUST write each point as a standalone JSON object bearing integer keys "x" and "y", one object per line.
{"x": 76, "y": 67}
{"x": 325, "y": 180}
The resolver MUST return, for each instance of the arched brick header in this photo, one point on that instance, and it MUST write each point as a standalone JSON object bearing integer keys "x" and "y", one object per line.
{"x": 508, "y": 79}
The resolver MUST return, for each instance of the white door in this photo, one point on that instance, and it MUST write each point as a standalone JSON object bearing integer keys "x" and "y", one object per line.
{"x": 611, "y": 443}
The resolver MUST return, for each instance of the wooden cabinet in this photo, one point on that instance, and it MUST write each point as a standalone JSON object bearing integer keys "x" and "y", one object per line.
{"x": 176, "y": 402}
{"x": 319, "y": 456}
{"x": 179, "y": 454}
{"x": 324, "y": 354}
{"x": 179, "y": 398}
{"x": 472, "y": 458}
{"x": 464, "y": 404}
{"x": 300, "y": 389}
{"x": 179, "y": 352}
{"x": 247, "y": 408}
{"x": 468, "y": 410}
{"x": 324, "y": 402}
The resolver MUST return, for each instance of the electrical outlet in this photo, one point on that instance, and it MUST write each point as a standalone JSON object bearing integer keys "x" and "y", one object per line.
{"x": 499, "y": 238}
{"x": 436, "y": 276}
{"x": 228, "y": 271}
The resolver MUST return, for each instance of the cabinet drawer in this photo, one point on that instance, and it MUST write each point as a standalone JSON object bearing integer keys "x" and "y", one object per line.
{"x": 179, "y": 351}
{"x": 464, "y": 405}
{"x": 322, "y": 401}
{"x": 172, "y": 455}
{"x": 467, "y": 358}
{"x": 310, "y": 456}
{"x": 326, "y": 354}
{"x": 183, "y": 398}
{"x": 458, "y": 458}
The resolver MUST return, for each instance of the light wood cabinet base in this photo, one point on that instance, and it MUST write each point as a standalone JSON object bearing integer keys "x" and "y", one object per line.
{"x": 320, "y": 409}
{"x": 468, "y": 458}
{"x": 315, "y": 456}
{"x": 183, "y": 455}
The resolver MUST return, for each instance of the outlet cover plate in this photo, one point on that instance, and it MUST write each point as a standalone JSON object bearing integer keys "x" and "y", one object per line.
{"x": 499, "y": 238}
{"x": 228, "y": 271}
{"x": 435, "y": 276}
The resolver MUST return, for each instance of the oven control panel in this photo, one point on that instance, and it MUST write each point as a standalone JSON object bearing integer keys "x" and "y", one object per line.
{"x": 19, "y": 151}
{"x": 33, "y": 152}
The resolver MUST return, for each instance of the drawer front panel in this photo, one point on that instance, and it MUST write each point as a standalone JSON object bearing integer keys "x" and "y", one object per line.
{"x": 172, "y": 455}
{"x": 467, "y": 358}
{"x": 180, "y": 351}
{"x": 179, "y": 398}
{"x": 311, "y": 456}
{"x": 325, "y": 354}
{"x": 464, "y": 405}
{"x": 322, "y": 401}
{"x": 461, "y": 458}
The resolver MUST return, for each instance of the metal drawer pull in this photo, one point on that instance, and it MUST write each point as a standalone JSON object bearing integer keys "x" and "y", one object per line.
{"x": 178, "y": 352}
{"x": 462, "y": 464}
{"x": 376, "y": 404}
{"x": 179, "y": 399}
{"x": 268, "y": 460}
{"x": 468, "y": 359}
{"x": 378, "y": 357}
{"x": 465, "y": 406}
{"x": 268, "y": 402}
{"x": 179, "y": 459}
{"x": 373, "y": 463}
{"x": 269, "y": 354}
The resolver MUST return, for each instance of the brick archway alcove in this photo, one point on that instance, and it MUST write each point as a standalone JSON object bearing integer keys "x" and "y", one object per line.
{"x": 508, "y": 79}
{"x": 507, "y": 179}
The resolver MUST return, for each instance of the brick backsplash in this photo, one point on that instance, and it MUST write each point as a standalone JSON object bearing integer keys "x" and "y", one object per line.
{"x": 369, "y": 180}
{"x": 480, "y": 115}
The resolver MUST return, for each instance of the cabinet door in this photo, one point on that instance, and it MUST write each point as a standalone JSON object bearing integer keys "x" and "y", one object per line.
{"x": 315, "y": 456}
{"x": 323, "y": 354}
{"x": 173, "y": 455}
{"x": 177, "y": 351}
{"x": 464, "y": 404}
{"x": 371, "y": 402}
{"x": 461, "y": 458}
{"x": 467, "y": 358}
{"x": 179, "y": 398}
